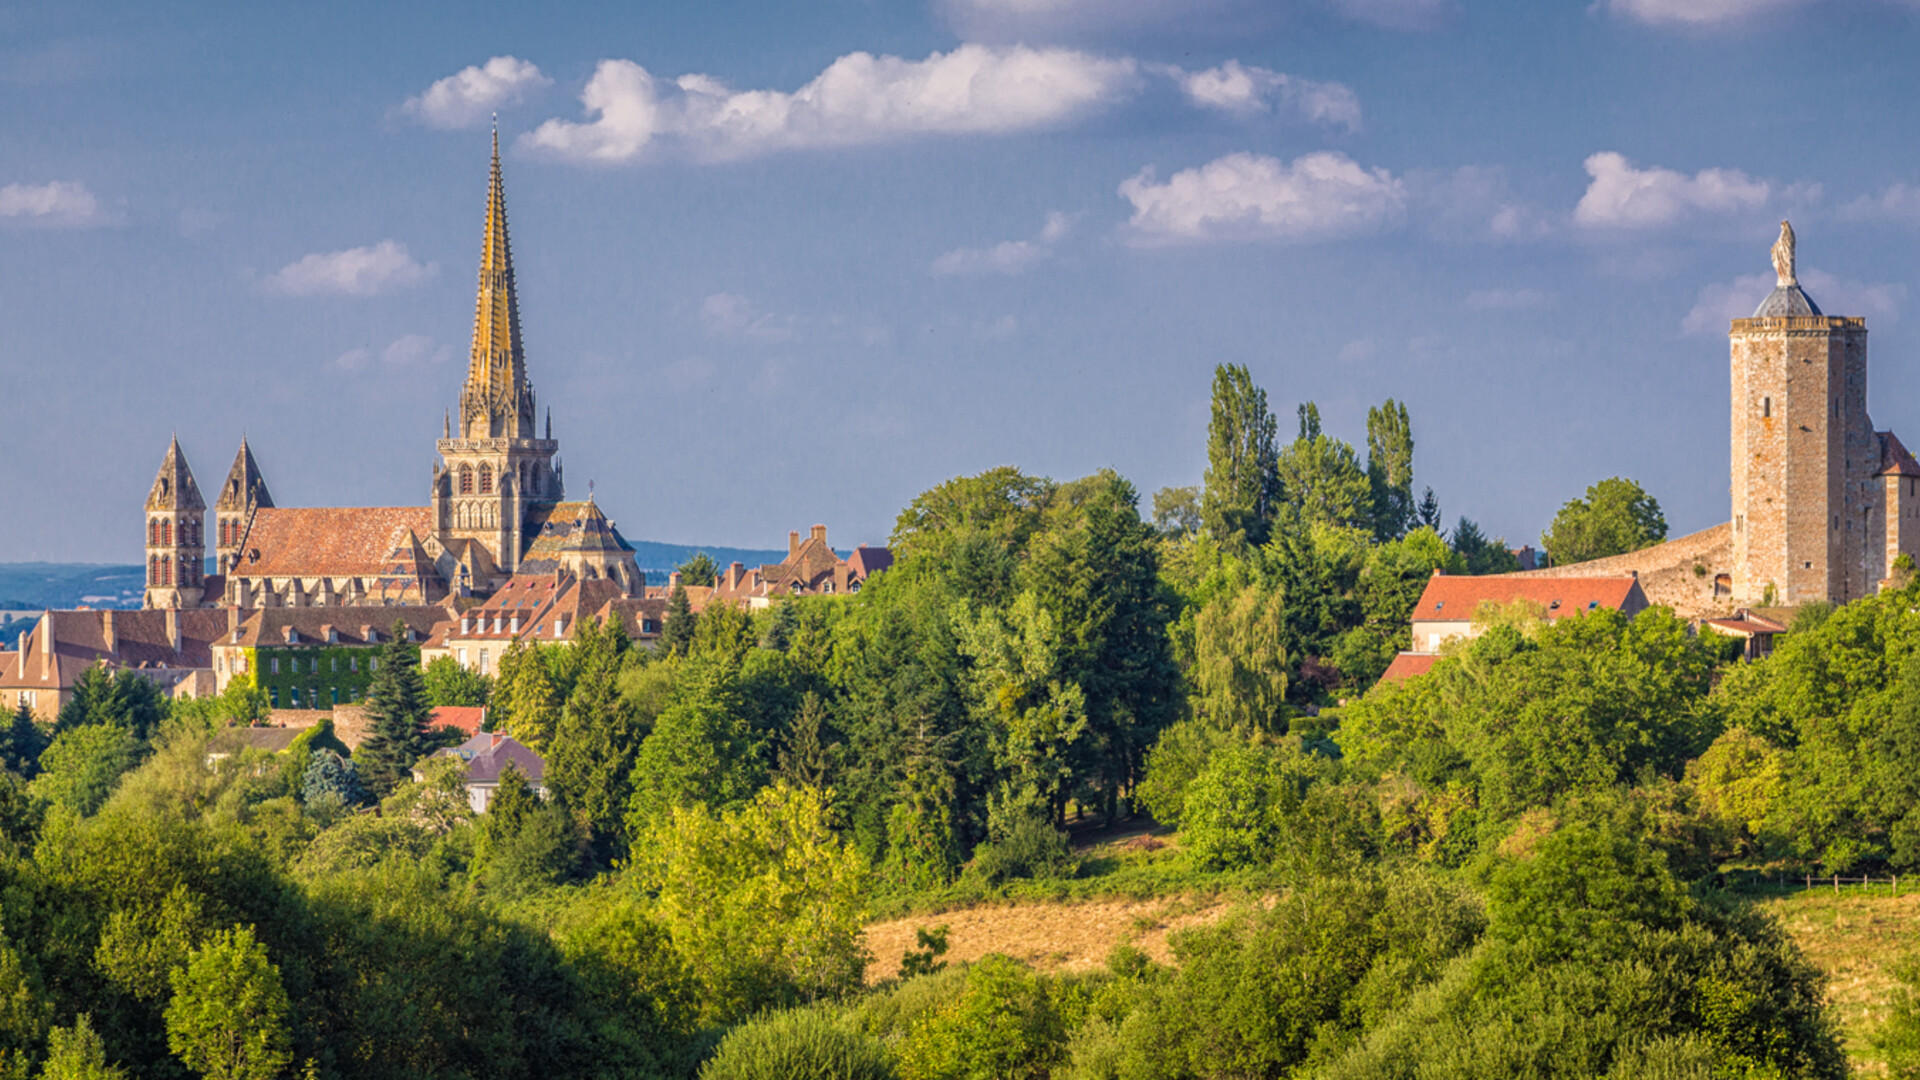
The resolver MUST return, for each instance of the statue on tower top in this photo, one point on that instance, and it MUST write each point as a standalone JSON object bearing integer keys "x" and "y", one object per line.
{"x": 1783, "y": 266}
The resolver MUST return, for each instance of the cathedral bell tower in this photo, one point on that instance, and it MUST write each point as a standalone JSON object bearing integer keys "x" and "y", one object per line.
{"x": 175, "y": 549}
{"x": 494, "y": 470}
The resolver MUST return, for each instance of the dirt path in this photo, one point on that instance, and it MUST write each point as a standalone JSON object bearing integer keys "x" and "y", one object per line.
{"x": 1051, "y": 937}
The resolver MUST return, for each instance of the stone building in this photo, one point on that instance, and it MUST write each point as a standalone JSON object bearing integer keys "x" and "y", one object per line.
{"x": 811, "y": 568}
{"x": 1823, "y": 504}
{"x": 496, "y": 500}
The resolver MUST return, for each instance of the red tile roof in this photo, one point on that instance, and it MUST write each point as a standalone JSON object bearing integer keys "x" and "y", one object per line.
{"x": 1407, "y": 665}
{"x": 467, "y": 718}
{"x": 335, "y": 541}
{"x": 1455, "y": 597}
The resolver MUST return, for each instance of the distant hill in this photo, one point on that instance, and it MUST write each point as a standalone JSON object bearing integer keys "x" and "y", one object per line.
{"x": 38, "y": 586}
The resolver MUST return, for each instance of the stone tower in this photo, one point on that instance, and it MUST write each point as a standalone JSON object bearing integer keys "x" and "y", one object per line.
{"x": 175, "y": 549}
{"x": 244, "y": 492}
{"x": 494, "y": 470}
{"x": 1808, "y": 515}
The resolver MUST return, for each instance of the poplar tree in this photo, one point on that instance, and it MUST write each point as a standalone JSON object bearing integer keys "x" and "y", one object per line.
{"x": 397, "y": 715}
{"x": 1242, "y": 481}
{"x": 1390, "y": 470}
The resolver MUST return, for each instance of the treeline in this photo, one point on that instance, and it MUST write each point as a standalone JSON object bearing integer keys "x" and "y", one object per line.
{"x": 1510, "y": 867}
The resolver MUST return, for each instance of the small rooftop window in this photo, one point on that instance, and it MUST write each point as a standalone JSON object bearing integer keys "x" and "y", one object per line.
{"x": 1555, "y": 606}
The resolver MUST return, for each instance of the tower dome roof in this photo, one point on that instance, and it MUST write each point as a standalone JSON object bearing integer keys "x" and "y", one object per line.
{"x": 1785, "y": 300}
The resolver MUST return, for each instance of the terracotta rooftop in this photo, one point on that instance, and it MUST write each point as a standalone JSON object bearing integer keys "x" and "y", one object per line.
{"x": 336, "y": 541}
{"x": 467, "y": 718}
{"x": 1407, "y": 665}
{"x": 1455, "y": 597}
{"x": 332, "y": 625}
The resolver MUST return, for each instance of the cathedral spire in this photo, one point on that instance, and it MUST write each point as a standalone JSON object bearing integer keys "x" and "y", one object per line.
{"x": 497, "y": 401}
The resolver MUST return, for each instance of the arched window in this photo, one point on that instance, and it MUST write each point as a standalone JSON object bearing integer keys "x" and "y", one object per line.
{"x": 153, "y": 569}
{"x": 166, "y": 534}
{"x": 466, "y": 480}
{"x": 153, "y": 533}
{"x": 166, "y": 570}
{"x": 486, "y": 479}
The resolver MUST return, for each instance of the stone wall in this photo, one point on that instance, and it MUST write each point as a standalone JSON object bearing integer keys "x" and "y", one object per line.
{"x": 1679, "y": 574}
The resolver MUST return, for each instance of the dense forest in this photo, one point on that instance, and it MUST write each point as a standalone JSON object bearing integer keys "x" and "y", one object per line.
{"x": 1525, "y": 863}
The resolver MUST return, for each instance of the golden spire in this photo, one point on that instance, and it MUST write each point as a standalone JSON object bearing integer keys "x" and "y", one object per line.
{"x": 498, "y": 400}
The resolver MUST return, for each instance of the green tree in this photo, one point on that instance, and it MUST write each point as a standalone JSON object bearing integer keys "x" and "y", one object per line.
{"x": 527, "y": 704}
{"x": 590, "y": 764}
{"x": 22, "y": 743}
{"x": 397, "y": 714}
{"x": 676, "y": 634}
{"x": 1390, "y": 470}
{"x": 700, "y": 753}
{"x": 1240, "y": 660}
{"x": 524, "y": 842}
{"x": 1321, "y": 478}
{"x": 764, "y": 902}
{"x": 699, "y": 570}
{"x": 126, "y": 698}
{"x": 1615, "y": 517}
{"x": 229, "y": 1014}
{"x": 81, "y": 766}
{"x": 1429, "y": 511}
{"x": 1242, "y": 481}
{"x": 1007, "y": 1023}
{"x": 76, "y": 1053}
{"x": 449, "y": 683}
{"x": 331, "y": 783}
{"x": 1480, "y": 553}
{"x": 1002, "y": 504}
{"x": 1176, "y": 511}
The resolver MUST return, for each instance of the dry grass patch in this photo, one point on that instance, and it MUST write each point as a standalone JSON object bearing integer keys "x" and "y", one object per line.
{"x": 1050, "y": 937}
{"x": 1856, "y": 937}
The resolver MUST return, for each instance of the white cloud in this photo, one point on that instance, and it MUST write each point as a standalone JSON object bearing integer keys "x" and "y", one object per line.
{"x": 1508, "y": 299}
{"x": 1624, "y": 197}
{"x": 362, "y": 271}
{"x": 858, "y": 99}
{"x": 59, "y": 204}
{"x": 1720, "y": 303}
{"x": 1474, "y": 202}
{"x": 1697, "y": 12}
{"x": 466, "y": 97}
{"x": 410, "y": 351}
{"x": 1248, "y": 91}
{"x": 1249, "y": 196}
{"x": 1898, "y": 203}
{"x": 730, "y": 315}
{"x": 1008, "y": 256}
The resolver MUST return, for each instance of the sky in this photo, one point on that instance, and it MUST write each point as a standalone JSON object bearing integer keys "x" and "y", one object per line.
{"x": 782, "y": 264}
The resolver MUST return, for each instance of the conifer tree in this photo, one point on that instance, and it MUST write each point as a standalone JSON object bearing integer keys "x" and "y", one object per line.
{"x": 591, "y": 759}
{"x": 22, "y": 743}
{"x": 1242, "y": 482}
{"x": 526, "y": 703}
{"x": 397, "y": 714}
{"x": 677, "y": 635}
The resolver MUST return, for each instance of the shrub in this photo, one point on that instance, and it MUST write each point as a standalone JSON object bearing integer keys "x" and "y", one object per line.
{"x": 1008, "y": 1023}
{"x": 1030, "y": 848}
{"x": 798, "y": 1044}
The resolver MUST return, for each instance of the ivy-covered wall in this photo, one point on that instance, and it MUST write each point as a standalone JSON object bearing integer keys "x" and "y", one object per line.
{"x": 314, "y": 676}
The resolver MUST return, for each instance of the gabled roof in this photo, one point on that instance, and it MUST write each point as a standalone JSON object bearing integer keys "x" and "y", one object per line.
{"x": 173, "y": 487}
{"x": 1894, "y": 459}
{"x": 488, "y": 754}
{"x": 337, "y": 541}
{"x": 1407, "y": 665}
{"x": 134, "y": 640}
{"x": 1455, "y": 597}
{"x": 867, "y": 561}
{"x": 467, "y": 718}
{"x": 527, "y": 607}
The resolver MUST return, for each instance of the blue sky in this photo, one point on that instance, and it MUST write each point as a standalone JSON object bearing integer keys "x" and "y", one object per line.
{"x": 782, "y": 264}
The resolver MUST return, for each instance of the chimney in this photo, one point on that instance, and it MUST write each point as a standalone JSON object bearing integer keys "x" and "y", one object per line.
{"x": 233, "y": 622}
{"x": 793, "y": 544}
{"x": 673, "y": 580}
{"x": 734, "y": 573}
{"x": 820, "y": 533}
{"x": 46, "y": 646}
{"x": 107, "y": 631}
